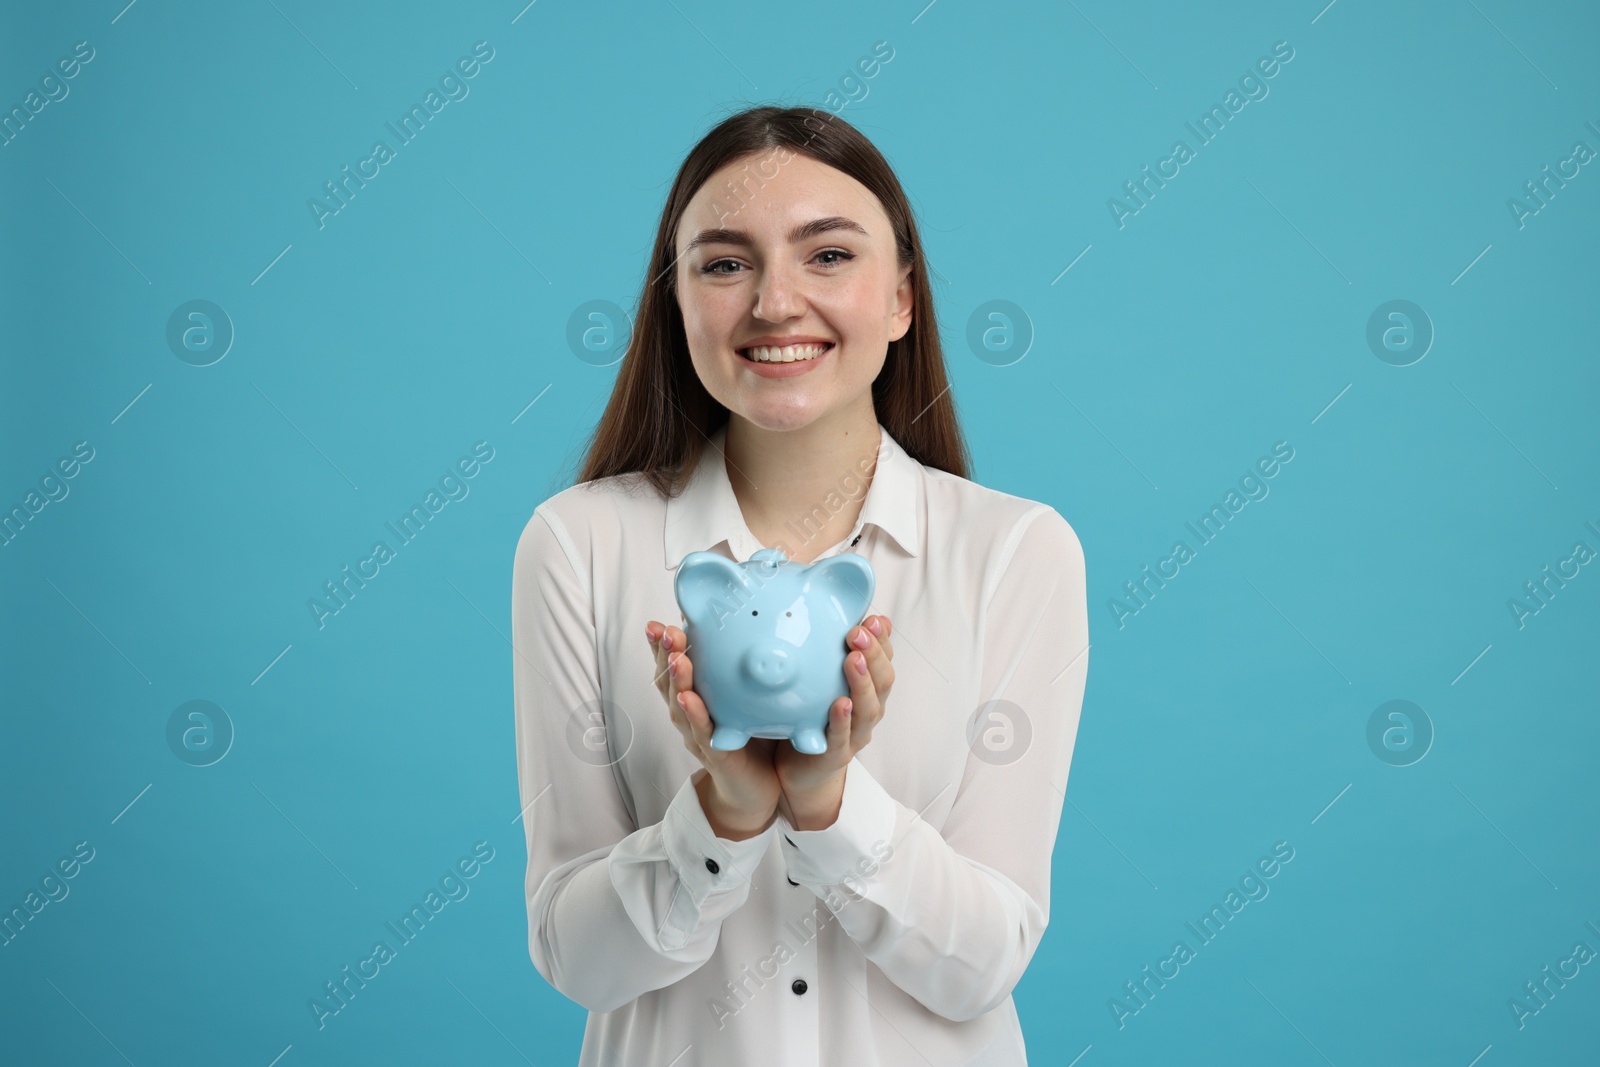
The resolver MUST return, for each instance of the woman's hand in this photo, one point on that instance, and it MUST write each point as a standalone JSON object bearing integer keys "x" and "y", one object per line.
{"x": 741, "y": 795}
{"x": 813, "y": 786}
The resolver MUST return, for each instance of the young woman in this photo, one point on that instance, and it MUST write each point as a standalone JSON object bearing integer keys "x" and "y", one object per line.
{"x": 785, "y": 388}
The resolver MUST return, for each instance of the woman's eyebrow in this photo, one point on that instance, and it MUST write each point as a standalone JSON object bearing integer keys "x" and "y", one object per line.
{"x": 804, "y": 231}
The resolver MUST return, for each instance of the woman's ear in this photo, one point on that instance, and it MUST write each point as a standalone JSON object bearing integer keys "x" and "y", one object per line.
{"x": 904, "y": 297}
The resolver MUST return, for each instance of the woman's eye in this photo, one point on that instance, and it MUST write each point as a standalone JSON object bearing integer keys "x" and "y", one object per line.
{"x": 732, "y": 266}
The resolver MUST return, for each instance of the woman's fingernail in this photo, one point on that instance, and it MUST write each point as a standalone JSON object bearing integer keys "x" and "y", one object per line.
{"x": 666, "y": 641}
{"x": 681, "y": 702}
{"x": 861, "y": 665}
{"x": 862, "y": 640}
{"x": 875, "y": 626}
{"x": 849, "y": 706}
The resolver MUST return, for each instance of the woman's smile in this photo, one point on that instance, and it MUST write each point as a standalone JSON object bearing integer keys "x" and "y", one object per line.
{"x": 787, "y": 361}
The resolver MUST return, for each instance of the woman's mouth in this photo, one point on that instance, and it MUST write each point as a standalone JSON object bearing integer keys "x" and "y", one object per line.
{"x": 786, "y": 354}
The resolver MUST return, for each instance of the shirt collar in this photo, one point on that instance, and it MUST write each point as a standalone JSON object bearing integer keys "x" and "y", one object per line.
{"x": 706, "y": 513}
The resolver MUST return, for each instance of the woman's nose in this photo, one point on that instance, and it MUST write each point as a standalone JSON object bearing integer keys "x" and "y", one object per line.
{"x": 778, "y": 296}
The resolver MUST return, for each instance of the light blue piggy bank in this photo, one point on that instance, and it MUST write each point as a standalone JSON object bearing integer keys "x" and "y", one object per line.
{"x": 766, "y": 638}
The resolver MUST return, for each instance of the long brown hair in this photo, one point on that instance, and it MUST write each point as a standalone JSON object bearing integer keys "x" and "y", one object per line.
{"x": 660, "y": 415}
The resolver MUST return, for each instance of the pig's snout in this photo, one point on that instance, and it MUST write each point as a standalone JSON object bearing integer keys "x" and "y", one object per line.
{"x": 770, "y": 666}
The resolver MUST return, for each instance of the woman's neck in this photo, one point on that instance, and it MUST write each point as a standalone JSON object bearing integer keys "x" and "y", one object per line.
{"x": 803, "y": 488}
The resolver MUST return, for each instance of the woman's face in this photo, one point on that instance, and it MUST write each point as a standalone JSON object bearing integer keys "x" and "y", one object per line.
{"x": 802, "y": 251}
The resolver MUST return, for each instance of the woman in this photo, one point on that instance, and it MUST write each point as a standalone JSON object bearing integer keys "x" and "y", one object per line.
{"x": 785, "y": 388}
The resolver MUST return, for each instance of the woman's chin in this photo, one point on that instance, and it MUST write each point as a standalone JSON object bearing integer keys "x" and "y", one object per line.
{"x": 780, "y": 418}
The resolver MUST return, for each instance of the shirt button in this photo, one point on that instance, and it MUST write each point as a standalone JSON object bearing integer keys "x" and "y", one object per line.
{"x": 711, "y": 865}
{"x": 858, "y": 538}
{"x": 799, "y": 986}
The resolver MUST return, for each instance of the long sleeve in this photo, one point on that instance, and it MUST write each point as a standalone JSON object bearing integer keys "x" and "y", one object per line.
{"x": 614, "y": 910}
{"x": 953, "y": 916}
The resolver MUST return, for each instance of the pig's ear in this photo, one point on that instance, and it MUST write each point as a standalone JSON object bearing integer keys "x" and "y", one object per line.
{"x": 703, "y": 579}
{"x": 846, "y": 580}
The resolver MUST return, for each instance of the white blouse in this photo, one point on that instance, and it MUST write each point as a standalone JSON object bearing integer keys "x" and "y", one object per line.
{"x": 894, "y": 936}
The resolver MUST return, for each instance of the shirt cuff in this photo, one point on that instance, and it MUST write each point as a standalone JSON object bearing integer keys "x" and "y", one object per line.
{"x": 851, "y": 850}
{"x": 707, "y": 864}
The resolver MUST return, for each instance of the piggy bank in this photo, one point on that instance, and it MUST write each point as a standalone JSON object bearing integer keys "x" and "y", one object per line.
{"x": 766, "y": 638}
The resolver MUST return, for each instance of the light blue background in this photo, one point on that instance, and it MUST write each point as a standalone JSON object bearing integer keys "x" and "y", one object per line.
{"x": 1230, "y": 313}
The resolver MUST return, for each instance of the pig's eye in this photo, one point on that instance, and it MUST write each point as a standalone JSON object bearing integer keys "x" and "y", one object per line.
{"x": 754, "y": 612}
{"x": 787, "y": 614}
